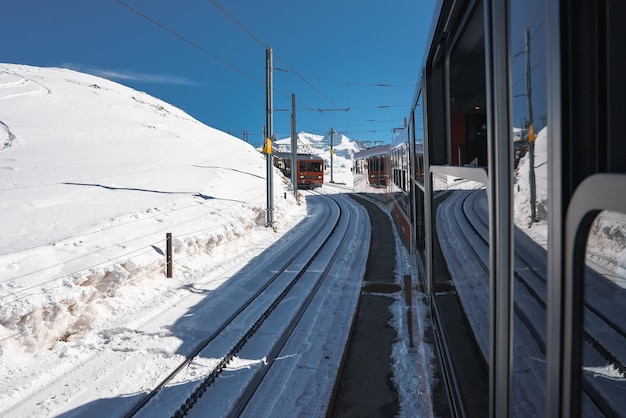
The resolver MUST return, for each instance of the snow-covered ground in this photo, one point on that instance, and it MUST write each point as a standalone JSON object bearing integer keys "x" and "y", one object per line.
{"x": 93, "y": 176}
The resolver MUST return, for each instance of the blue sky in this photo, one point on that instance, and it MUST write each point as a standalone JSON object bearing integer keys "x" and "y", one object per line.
{"x": 343, "y": 49}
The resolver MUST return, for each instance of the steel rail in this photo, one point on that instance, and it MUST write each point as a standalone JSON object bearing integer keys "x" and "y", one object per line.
{"x": 322, "y": 234}
{"x": 602, "y": 334}
{"x": 336, "y": 249}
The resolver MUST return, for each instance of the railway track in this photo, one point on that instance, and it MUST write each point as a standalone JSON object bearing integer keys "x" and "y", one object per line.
{"x": 260, "y": 330}
{"x": 206, "y": 340}
{"x": 245, "y": 321}
{"x": 604, "y": 338}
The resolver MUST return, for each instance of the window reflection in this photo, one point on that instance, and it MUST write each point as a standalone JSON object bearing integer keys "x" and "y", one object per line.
{"x": 461, "y": 280}
{"x": 531, "y": 205}
{"x": 604, "y": 337}
{"x": 468, "y": 116}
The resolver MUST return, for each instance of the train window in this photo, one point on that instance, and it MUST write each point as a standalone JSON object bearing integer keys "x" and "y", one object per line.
{"x": 468, "y": 99}
{"x": 460, "y": 279}
{"x": 531, "y": 205}
{"x": 604, "y": 312}
{"x": 315, "y": 166}
{"x": 418, "y": 140}
{"x": 457, "y": 227}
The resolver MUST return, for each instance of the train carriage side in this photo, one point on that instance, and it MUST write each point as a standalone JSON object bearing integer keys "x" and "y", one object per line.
{"x": 511, "y": 177}
{"x": 405, "y": 160}
{"x": 282, "y": 161}
{"x": 389, "y": 170}
{"x": 371, "y": 168}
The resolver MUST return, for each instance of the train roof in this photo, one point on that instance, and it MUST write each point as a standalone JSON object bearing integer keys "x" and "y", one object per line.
{"x": 287, "y": 155}
{"x": 384, "y": 150}
{"x": 373, "y": 151}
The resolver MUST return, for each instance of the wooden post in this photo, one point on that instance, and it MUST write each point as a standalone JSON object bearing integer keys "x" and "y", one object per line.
{"x": 408, "y": 290}
{"x": 168, "y": 255}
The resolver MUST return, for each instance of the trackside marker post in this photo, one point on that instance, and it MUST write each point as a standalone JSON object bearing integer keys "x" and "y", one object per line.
{"x": 168, "y": 255}
{"x": 408, "y": 290}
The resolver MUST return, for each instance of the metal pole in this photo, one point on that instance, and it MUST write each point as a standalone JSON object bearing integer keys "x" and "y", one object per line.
{"x": 332, "y": 152}
{"x": 294, "y": 147}
{"x": 531, "y": 135}
{"x": 269, "y": 132}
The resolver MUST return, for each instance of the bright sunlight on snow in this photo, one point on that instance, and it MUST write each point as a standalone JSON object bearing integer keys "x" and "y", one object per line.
{"x": 94, "y": 175}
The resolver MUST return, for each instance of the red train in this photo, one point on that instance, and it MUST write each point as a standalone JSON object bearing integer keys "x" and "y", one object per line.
{"x": 310, "y": 168}
{"x": 547, "y": 307}
{"x": 386, "y": 169}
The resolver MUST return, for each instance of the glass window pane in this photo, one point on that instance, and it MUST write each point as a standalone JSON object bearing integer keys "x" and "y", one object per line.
{"x": 461, "y": 282}
{"x": 531, "y": 205}
{"x": 604, "y": 337}
{"x": 468, "y": 98}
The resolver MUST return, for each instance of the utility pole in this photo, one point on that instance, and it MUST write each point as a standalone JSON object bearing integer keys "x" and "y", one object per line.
{"x": 332, "y": 153}
{"x": 294, "y": 147}
{"x": 269, "y": 132}
{"x": 531, "y": 135}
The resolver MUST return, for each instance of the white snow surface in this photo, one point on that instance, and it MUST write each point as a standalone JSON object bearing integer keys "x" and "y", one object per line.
{"x": 92, "y": 176}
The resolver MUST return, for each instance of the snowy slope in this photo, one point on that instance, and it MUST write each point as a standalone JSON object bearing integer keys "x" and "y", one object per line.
{"x": 92, "y": 176}
{"x": 607, "y": 239}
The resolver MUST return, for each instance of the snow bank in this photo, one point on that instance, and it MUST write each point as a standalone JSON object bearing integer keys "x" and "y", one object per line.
{"x": 94, "y": 174}
{"x": 606, "y": 244}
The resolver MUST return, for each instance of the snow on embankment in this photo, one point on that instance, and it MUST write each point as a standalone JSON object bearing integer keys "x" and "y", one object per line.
{"x": 606, "y": 244}
{"x": 93, "y": 176}
{"x": 522, "y": 183}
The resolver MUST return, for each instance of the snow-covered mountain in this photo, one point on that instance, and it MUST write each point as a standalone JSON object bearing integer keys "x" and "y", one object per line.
{"x": 343, "y": 152}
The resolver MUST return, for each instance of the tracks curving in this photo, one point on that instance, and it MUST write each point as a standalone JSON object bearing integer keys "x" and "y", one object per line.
{"x": 604, "y": 336}
{"x": 260, "y": 328}
{"x": 136, "y": 354}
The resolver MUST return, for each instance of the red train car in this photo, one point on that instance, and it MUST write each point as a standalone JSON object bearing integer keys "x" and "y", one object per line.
{"x": 373, "y": 165}
{"x": 377, "y": 170}
{"x": 310, "y": 172}
{"x": 309, "y": 168}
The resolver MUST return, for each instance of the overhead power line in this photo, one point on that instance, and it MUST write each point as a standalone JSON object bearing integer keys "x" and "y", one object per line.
{"x": 245, "y": 73}
{"x": 231, "y": 17}
{"x": 212, "y": 55}
{"x": 264, "y": 45}
{"x": 349, "y": 83}
{"x": 193, "y": 44}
